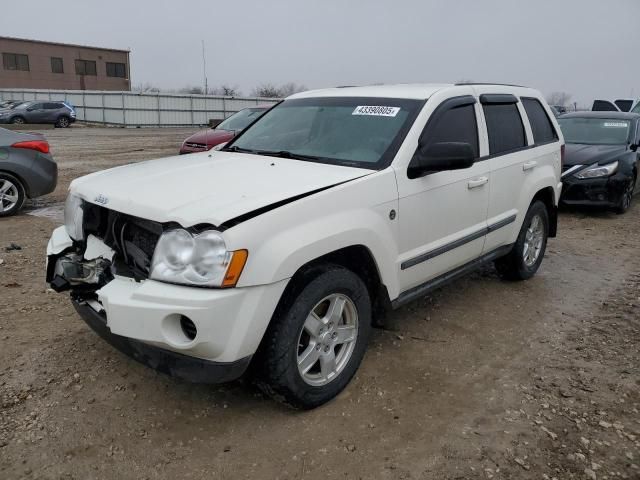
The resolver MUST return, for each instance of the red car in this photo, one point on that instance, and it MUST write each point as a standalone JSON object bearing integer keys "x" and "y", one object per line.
{"x": 225, "y": 131}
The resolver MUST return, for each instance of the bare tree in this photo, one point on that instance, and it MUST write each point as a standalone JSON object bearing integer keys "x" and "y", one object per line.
{"x": 269, "y": 90}
{"x": 146, "y": 88}
{"x": 227, "y": 91}
{"x": 290, "y": 88}
{"x": 266, "y": 90}
{"x": 559, "y": 98}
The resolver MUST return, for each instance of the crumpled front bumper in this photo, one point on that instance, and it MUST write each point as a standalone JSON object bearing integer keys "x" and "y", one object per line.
{"x": 604, "y": 191}
{"x": 143, "y": 318}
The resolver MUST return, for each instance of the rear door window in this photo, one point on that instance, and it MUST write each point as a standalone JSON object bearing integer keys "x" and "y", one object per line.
{"x": 504, "y": 126}
{"x": 541, "y": 126}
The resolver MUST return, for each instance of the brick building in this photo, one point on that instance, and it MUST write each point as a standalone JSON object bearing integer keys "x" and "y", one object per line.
{"x": 37, "y": 64}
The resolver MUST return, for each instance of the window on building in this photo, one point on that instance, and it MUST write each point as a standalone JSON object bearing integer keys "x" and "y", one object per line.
{"x": 505, "y": 128}
{"x": 86, "y": 67}
{"x": 116, "y": 70}
{"x": 56, "y": 65}
{"x": 541, "y": 126}
{"x": 15, "y": 61}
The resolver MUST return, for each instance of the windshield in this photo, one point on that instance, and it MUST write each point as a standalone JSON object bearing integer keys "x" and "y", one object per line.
{"x": 241, "y": 120}
{"x": 351, "y": 131}
{"x": 21, "y": 105}
{"x": 595, "y": 131}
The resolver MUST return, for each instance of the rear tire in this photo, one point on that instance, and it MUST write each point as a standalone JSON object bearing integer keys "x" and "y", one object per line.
{"x": 308, "y": 356}
{"x": 12, "y": 195}
{"x": 63, "y": 122}
{"x": 526, "y": 256}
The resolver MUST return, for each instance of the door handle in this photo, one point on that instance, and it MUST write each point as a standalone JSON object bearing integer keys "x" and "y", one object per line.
{"x": 529, "y": 165}
{"x": 477, "y": 182}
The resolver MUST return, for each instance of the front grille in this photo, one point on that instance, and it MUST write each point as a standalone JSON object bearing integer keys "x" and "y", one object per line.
{"x": 133, "y": 239}
{"x": 200, "y": 146}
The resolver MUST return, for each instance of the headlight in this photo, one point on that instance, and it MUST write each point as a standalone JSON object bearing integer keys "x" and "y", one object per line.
{"x": 73, "y": 216}
{"x": 598, "y": 171}
{"x": 198, "y": 260}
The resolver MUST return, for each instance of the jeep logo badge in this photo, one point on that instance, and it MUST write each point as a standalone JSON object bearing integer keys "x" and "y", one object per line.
{"x": 101, "y": 199}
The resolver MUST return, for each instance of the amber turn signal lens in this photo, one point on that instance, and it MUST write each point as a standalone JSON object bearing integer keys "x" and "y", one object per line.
{"x": 235, "y": 268}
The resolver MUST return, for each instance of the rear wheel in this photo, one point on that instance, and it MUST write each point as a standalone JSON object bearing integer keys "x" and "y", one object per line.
{"x": 18, "y": 120}
{"x": 627, "y": 196}
{"x": 314, "y": 346}
{"x": 63, "y": 122}
{"x": 526, "y": 256}
{"x": 12, "y": 195}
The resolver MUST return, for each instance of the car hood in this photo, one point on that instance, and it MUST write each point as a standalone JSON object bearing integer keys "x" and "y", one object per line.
{"x": 208, "y": 187}
{"x": 581, "y": 154}
{"x": 211, "y": 137}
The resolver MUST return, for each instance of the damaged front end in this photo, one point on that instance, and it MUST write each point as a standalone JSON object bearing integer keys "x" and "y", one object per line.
{"x": 112, "y": 244}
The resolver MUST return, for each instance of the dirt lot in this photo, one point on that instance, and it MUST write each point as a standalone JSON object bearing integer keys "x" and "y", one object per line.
{"x": 483, "y": 379}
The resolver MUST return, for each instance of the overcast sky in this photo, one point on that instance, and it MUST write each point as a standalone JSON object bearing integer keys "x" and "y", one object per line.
{"x": 589, "y": 48}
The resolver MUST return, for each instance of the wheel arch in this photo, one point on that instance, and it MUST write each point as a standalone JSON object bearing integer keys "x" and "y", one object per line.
{"x": 25, "y": 185}
{"x": 357, "y": 258}
{"x": 547, "y": 196}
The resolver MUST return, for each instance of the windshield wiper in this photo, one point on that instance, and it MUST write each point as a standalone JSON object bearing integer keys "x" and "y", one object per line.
{"x": 286, "y": 154}
{"x": 238, "y": 149}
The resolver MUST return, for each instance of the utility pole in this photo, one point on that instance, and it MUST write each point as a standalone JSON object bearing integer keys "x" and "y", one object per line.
{"x": 204, "y": 70}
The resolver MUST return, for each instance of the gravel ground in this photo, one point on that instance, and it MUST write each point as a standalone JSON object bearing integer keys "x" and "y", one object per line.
{"x": 482, "y": 379}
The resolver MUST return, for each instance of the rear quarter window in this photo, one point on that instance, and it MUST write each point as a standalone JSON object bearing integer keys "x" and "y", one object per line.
{"x": 505, "y": 127}
{"x": 541, "y": 126}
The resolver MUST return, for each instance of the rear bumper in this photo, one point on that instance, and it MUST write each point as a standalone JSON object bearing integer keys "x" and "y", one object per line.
{"x": 170, "y": 363}
{"x": 604, "y": 192}
{"x": 43, "y": 176}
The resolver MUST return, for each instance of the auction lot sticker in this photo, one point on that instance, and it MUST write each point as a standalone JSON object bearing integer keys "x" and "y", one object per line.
{"x": 376, "y": 111}
{"x": 616, "y": 124}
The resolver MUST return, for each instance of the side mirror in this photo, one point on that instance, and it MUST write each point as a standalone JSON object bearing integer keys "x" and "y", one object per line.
{"x": 439, "y": 157}
{"x": 220, "y": 146}
{"x": 634, "y": 147}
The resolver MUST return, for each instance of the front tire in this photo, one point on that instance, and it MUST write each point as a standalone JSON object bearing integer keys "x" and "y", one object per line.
{"x": 316, "y": 340}
{"x": 18, "y": 121}
{"x": 12, "y": 195}
{"x": 627, "y": 196}
{"x": 526, "y": 256}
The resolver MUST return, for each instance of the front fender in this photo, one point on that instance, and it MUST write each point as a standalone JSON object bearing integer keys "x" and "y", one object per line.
{"x": 356, "y": 213}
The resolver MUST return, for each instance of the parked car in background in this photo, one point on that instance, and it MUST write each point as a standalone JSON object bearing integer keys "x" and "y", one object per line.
{"x": 223, "y": 132}
{"x": 9, "y": 104}
{"x": 333, "y": 206}
{"x": 555, "y": 111}
{"x": 561, "y": 109}
{"x": 60, "y": 114}
{"x": 620, "y": 105}
{"x": 27, "y": 169}
{"x": 601, "y": 158}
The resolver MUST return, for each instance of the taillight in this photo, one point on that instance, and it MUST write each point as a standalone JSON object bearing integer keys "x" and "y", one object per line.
{"x": 561, "y": 154}
{"x": 40, "y": 145}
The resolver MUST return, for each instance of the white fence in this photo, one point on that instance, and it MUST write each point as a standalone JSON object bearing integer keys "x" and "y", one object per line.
{"x": 131, "y": 109}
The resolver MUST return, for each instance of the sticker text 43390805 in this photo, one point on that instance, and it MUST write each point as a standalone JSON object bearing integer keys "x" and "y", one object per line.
{"x": 376, "y": 110}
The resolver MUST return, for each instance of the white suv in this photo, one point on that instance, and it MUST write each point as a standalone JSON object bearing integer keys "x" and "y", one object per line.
{"x": 282, "y": 249}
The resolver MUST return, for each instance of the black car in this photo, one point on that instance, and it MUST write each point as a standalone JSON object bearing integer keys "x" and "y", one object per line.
{"x": 601, "y": 158}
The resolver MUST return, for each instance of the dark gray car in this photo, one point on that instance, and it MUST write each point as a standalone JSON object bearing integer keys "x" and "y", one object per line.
{"x": 60, "y": 114}
{"x": 27, "y": 169}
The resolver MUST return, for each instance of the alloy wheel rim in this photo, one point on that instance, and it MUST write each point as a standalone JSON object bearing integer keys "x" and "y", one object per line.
{"x": 63, "y": 122}
{"x": 8, "y": 195}
{"x": 533, "y": 240}
{"x": 18, "y": 120}
{"x": 327, "y": 339}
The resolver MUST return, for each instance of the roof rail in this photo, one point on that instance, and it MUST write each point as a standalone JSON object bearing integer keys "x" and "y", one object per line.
{"x": 489, "y": 83}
